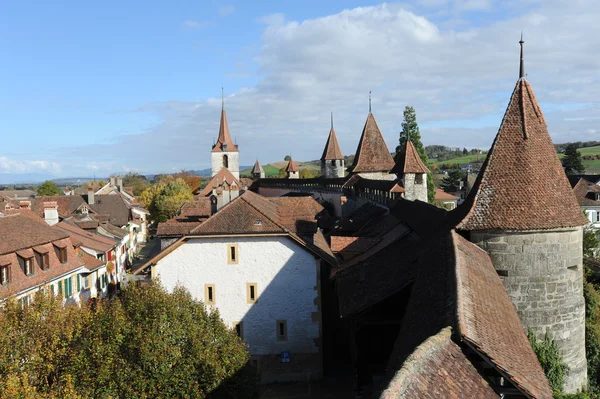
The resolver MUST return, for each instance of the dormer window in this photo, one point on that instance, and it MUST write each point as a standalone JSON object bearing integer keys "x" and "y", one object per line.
{"x": 4, "y": 274}
{"x": 26, "y": 265}
{"x": 42, "y": 257}
{"x": 258, "y": 222}
{"x": 61, "y": 252}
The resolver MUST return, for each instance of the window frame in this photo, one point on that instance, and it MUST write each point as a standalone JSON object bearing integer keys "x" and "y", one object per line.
{"x": 249, "y": 287}
{"x": 278, "y": 325}
{"x": 210, "y": 291}
{"x": 233, "y": 258}
{"x": 235, "y": 326}
{"x": 4, "y": 271}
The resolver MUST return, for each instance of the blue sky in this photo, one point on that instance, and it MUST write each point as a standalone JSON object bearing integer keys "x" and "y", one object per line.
{"x": 110, "y": 87}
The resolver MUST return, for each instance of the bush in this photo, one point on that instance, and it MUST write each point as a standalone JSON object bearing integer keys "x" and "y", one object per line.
{"x": 145, "y": 344}
{"x": 550, "y": 359}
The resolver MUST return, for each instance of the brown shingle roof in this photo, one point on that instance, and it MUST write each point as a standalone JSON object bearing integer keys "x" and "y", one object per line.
{"x": 409, "y": 161}
{"x": 67, "y": 204}
{"x": 332, "y": 148}
{"x": 522, "y": 184}
{"x": 19, "y": 232}
{"x": 224, "y": 136}
{"x": 441, "y": 195}
{"x": 113, "y": 205}
{"x": 372, "y": 154}
{"x": 84, "y": 238}
{"x": 224, "y": 175}
{"x": 585, "y": 192}
{"x": 291, "y": 166}
{"x": 438, "y": 369}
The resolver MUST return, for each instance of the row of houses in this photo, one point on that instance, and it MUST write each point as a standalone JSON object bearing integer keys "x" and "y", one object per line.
{"x": 77, "y": 245}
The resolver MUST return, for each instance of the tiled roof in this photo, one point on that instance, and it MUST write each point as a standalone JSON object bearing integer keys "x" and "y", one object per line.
{"x": 113, "y": 230}
{"x": 86, "y": 239}
{"x": 224, "y": 136}
{"x": 113, "y": 205}
{"x": 199, "y": 207}
{"x": 257, "y": 169}
{"x": 409, "y": 161}
{"x": 67, "y": 204}
{"x": 332, "y": 148}
{"x": 574, "y": 179}
{"x": 91, "y": 262}
{"x": 522, "y": 184}
{"x": 585, "y": 192}
{"x": 224, "y": 175}
{"x": 19, "y": 232}
{"x": 452, "y": 282}
{"x": 25, "y": 212}
{"x": 438, "y": 369}
{"x": 253, "y": 214}
{"x": 176, "y": 228}
{"x": 372, "y": 154}
{"x": 291, "y": 166}
{"x": 441, "y": 195}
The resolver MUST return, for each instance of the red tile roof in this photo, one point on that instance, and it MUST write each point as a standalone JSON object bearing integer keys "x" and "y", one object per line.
{"x": 522, "y": 184}
{"x": 332, "y": 148}
{"x": 25, "y": 212}
{"x": 441, "y": 195}
{"x": 409, "y": 161}
{"x": 585, "y": 192}
{"x": 257, "y": 169}
{"x": 67, "y": 204}
{"x": 85, "y": 238}
{"x": 224, "y": 136}
{"x": 372, "y": 154}
{"x": 20, "y": 232}
{"x": 224, "y": 175}
{"x": 438, "y": 369}
{"x": 291, "y": 166}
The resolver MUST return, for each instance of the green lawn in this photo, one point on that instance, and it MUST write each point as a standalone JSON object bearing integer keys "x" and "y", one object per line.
{"x": 591, "y": 167}
{"x": 467, "y": 159}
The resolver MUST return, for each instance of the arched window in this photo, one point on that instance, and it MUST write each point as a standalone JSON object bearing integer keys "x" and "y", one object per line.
{"x": 225, "y": 161}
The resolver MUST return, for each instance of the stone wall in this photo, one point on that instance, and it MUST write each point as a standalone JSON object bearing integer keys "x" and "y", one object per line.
{"x": 333, "y": 168}
{"x": 543, "y": 275}
{"x": 377, "y": 175}
{"x": 415, "y": 190}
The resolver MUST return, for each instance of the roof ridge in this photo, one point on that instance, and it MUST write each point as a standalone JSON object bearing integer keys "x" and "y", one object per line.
{"x": 372, "y": 145}
{"x": 277, "y": 222}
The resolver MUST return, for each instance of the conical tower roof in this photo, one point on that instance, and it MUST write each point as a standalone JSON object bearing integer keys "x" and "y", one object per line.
{"x": 332, "y": 148}
{"x": 522, "y": 184}
{"x": 257, "y": 169}
{"x": 409, "y": 161}
{"x": 224, "y": 136}
{"x": 291, "y": 166}
{"x": 372, "y": 154}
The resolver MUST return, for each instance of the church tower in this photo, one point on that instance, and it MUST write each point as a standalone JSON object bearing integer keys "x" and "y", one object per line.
{"x": 412, "y": 172}
{"x": 523, "y": 212}
{"x": 332, "y": 160}
{"x": 225, "y": 153}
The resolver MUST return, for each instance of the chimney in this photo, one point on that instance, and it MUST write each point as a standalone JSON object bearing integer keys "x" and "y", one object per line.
{"x": 25, "y": 204}
{"x": 120, "y": 183}
{"x": 51, "y": 212}
{"x": 91, "y": 195}
{"x": 112, "y": 181}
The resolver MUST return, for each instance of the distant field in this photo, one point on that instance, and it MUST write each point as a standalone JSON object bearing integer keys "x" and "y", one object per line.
{"x": 301, "y": 165}
{"x": 591, "y": 167}
{"x": 467, "y": 159}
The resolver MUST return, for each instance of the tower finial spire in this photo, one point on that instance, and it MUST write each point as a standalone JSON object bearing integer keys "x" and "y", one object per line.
{"x": 332, "y": 119}
{"x": 222, "y": 98}
{"x": 369, "y": 101}
{"x": 522, "y": 63}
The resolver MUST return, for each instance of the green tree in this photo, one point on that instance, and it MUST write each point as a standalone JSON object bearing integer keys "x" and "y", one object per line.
{"x": 137, "y": 182}
{"x": 307, "y": 174}
{"x": 410, "y": 128}
{"x": 147, "y": 343}
{"x": 572, "y": 161}
{"x": 169, "y": 200}
{"x": 282, "y": 173}
{"x": 591, "y": 242}
{"x": 451, "y": 182}
{"x": 48, "y": 188}
{"x": 287, "y": 158}
{"x": 550, "y": 359}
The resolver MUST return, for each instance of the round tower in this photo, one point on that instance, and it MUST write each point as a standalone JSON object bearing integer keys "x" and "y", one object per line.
{"x": 332, "y": 160}
{"x": 523, "y": 212}
{"x": 412, "y": 173}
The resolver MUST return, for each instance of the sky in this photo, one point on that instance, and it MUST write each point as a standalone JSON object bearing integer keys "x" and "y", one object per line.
{"x": 111, "y": 87}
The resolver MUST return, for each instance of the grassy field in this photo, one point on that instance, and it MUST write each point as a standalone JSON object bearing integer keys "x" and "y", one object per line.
{"x": 591, "y": 167}
{"x": 467, "y": 159}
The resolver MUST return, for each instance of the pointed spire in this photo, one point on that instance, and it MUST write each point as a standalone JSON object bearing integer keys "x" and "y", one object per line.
{"x": 332, "y": 148}
{"x": 372, "y": 153}
{"x": 331, "y": 120}
{"x": 409, "y": 161}
{"x": 369, "y": 101}
{"x": 522, "y": 63}
{"x": 222, "y": 99}
{"x": 224, "y": 142}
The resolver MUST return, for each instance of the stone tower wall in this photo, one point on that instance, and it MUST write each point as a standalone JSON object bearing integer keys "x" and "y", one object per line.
{"x": 415, "y": 190}
{"x": 331, "y": 169}
{"x": 543, "y": 275}
{"x": 233, "y": 160}
{"x": 377, "y": 175}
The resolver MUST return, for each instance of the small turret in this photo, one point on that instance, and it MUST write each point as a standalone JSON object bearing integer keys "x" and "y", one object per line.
{"x": 292, "y": 170}
{"x": 257, "y": 171}
{"x": 332, "y": 160}
{"x": 412, "y": 172}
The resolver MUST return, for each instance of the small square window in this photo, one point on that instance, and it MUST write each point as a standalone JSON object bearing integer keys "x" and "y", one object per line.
{"x": 281, "y": 332}
{"x": 210, "y": 297}
{"x": 232, "y": 254}
{"x": 238, "y": 327}
{"x": 258, "y": 222}
{"x": 251, "y": 292}
{"x": 419, "y": 178}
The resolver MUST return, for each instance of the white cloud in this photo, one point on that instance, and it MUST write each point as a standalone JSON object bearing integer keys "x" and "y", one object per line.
{"x": 11, "y": 165}
{"x": 226, "y": 10}
{"x": 458, "y": 77}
